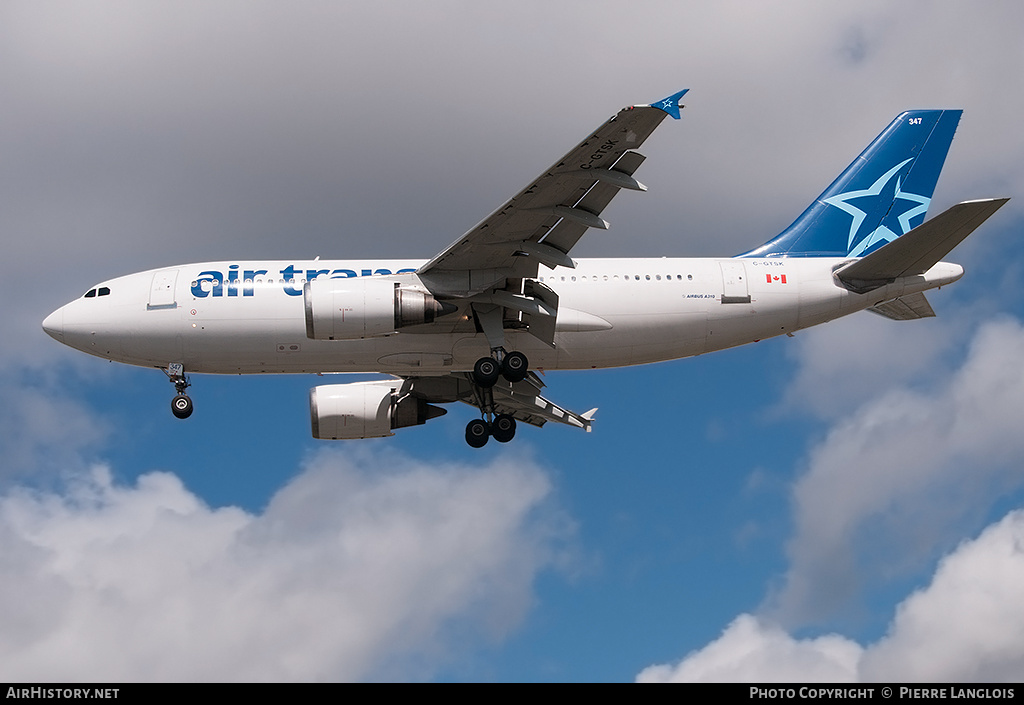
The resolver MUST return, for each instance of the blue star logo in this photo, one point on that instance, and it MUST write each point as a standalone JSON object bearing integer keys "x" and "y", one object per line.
{"x": 666, "y": 104}
{"x": 883, "y": 191}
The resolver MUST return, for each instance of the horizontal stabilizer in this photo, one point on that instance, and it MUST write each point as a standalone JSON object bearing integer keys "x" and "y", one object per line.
{"x": 920, "y": 249}
{"x": 905, "y": 308}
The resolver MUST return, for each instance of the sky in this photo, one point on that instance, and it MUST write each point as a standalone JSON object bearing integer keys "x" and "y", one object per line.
{"x": 843, "y": 505}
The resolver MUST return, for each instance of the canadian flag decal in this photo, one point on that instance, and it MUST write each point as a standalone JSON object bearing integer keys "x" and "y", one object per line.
{"x": 777, "y": 279}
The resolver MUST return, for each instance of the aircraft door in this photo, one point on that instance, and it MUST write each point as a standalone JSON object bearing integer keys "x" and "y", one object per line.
{"x": 161, "y": 293}
{"x": 734, "y": 282}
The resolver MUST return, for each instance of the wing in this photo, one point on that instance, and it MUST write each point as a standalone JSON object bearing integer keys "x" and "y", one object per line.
{"x": 542, "y": 222}
{"x": 521, "y": 400}
{"x": 492, "y": 269}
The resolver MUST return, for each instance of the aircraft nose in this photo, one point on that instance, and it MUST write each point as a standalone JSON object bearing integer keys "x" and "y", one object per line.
{"x": 54, "y": 325}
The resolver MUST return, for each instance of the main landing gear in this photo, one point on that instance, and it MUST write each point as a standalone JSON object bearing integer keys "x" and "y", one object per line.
{"x": 181, "y": 404}
{"x": 503, "y": 429}
{"x": 513, "y": 367}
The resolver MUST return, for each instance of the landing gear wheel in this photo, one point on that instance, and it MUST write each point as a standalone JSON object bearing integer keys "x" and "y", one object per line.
{"x": 504, "y": 428}
{"x": 486, "y": 372}
{"x": 515, "y": 366}
{"x": 181, "y": 406}
{"x": 477, "y": 433}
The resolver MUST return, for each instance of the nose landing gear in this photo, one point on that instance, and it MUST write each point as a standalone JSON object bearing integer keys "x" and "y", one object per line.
{"x": 181, "y": 404}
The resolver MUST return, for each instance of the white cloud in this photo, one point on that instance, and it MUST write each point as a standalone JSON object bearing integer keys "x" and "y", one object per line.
{"x": 968, "y": 625}
{"x": 898, "y": 480}
{"x": 754, "y": 650}
{"x": 893, "y": 483}
{"x": 365, "y": 565}
{"x": 965, "y": 626}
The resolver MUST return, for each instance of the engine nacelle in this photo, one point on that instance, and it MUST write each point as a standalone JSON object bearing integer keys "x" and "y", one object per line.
{"x": 365, "y": 307}
{"x": 365, "y": 410}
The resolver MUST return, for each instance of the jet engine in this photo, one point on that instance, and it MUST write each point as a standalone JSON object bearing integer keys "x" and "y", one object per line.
{"x": 366, "y": 307}
{"x": 365, "y": 410}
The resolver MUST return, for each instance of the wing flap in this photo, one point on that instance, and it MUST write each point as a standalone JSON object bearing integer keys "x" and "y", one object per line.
{"x": 564, "y": 235}
{"x": 523, "y": 401}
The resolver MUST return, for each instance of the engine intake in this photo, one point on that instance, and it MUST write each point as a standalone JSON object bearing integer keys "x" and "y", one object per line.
{"x": 365, "y": 307}
{"x": 365, "y": 410}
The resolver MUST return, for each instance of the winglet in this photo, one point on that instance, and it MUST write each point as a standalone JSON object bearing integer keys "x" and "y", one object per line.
{"x": 589, "y": 416}
{"x": 670, "y": 105}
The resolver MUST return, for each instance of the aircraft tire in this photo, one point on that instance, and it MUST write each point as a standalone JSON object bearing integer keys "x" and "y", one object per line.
{"x": 477, "y": 433}
{"x": 486, "y": 372}
{"x": 504, "y": 428}
{"x": 515, "y": 366}
{"x": 181, "y": 406}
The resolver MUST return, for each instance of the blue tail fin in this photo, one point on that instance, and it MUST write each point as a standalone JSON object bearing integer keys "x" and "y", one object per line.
{"x": 882, "y": 195}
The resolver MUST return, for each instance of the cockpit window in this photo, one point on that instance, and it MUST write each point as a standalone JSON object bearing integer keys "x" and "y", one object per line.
{"x": 90, "y": 294}
{"x": 103, "y": 291}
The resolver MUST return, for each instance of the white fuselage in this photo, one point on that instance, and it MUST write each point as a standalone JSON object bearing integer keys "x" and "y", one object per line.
{"x": 248, "y": 317}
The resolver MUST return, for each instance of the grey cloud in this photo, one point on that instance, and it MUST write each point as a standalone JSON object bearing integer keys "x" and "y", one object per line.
{"x": 43, "y": 431}
{"x": 137, "y": 136}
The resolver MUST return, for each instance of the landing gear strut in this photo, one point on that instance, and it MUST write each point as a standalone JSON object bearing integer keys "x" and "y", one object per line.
{"x": 181, "y": 404}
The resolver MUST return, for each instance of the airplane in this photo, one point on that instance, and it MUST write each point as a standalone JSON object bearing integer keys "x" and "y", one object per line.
{"x": 479, "y": 320}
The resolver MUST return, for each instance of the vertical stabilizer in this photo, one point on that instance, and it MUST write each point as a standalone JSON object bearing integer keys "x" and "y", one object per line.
{"x": 882, "y": 195}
